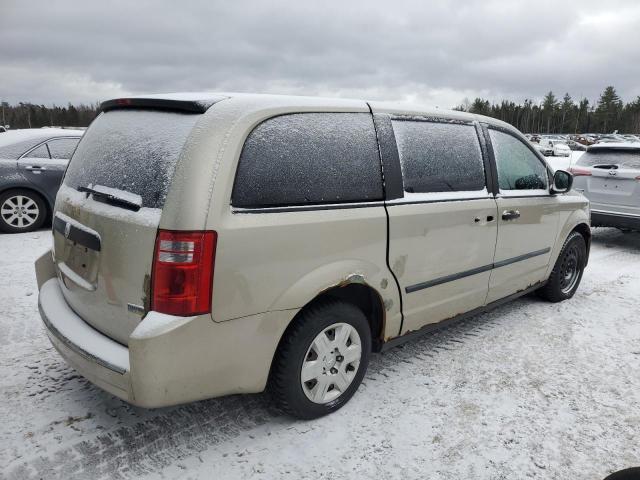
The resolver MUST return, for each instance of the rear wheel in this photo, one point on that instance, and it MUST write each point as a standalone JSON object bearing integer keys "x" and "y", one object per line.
{"x": 321, "y": 360}
{"x": 21, "y": 211}
{"x": 567, "y": 272}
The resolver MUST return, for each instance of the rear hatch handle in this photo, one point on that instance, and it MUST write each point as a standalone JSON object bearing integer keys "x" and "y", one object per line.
{"x": 607, "y": 166}
{"x": 114, "y": 196}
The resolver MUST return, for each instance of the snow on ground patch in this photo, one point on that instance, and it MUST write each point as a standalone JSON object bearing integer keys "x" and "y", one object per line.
{"x": 531, "y": 390}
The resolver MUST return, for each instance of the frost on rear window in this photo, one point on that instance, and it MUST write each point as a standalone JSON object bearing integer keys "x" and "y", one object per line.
{"x": 439, "y": 156}
{"x": 309, "y": 158}
{"x": 131, "y": 150}
{"x": 625, "y": 159}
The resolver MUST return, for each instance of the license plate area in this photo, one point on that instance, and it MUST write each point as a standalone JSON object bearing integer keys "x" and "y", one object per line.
{"x": 612, "y": 186}
{"x": 79, "y": 257}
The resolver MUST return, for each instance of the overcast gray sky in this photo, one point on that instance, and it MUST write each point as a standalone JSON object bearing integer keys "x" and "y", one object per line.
{"x": 435, "y": 52}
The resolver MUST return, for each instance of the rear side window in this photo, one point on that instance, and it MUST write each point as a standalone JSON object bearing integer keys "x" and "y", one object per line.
{"x": 439, "y": 157}
{"x": 518, "y": 167}
{"x": 40, "y": 152}
{"x": 131, "y": 150}
{"x": 624, "y": 159}
{"x": 309, "y": 158}
{"x": 62, "y": 148}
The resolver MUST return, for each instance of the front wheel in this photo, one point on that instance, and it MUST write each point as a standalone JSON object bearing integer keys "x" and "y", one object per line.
{"x": 567, "y": 272}
{"x": 321, "y": 360}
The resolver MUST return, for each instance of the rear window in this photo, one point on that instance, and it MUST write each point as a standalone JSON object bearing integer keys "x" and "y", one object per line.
{"x": 624, "y": 159}
{"x": 439, "y": 157}
{"x": 131, "y": 150}
{"x": 309, "y": 158}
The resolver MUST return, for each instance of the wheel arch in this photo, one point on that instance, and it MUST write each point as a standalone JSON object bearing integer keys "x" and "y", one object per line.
{"x": 355, "y": 291}
{"x": 585, "y": 230}
{"x": 578, "y": 221}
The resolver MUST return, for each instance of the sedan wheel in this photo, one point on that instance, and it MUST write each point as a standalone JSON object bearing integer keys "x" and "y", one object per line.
{"x": 21, "y": 211}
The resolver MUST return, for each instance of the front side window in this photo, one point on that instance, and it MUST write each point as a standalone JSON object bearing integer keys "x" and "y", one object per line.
{"x": 309, "y": 158}
{"x": 62, "y": 148}
{"x": 518, "y": 167}
{"x": 439, "y": 157}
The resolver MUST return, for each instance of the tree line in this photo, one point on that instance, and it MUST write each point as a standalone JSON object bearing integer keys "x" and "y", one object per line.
{"x": 28, "y": 115}
{"x": 554, "y": 115}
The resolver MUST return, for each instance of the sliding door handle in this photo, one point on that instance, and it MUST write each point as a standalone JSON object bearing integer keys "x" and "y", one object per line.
{"x": 510, "y": 214}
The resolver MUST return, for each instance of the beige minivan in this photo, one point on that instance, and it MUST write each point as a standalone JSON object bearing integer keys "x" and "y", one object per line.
{"x": 213, "y": 244}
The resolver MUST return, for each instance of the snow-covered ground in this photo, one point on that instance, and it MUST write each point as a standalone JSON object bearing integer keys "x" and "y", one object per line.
{"x": 531, "y": 390}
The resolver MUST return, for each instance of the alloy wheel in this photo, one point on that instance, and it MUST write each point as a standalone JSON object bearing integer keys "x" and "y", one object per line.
{"x": 19, "y": 211}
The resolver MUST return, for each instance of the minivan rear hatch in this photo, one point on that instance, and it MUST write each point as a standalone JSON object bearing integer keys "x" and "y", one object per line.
{"x": 108, "y": 210}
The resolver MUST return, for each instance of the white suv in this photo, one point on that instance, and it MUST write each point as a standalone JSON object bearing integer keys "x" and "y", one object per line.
{"x": 206, "y": 245}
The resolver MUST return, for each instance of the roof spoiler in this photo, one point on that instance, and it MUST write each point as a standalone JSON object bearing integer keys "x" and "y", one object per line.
{"x": 176, "y": 105}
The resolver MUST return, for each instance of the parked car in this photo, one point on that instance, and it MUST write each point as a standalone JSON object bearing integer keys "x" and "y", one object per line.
{"x": 543, "y": 148}
{"x": 260, "y": 244}
{"x": 32, "y": 163}
{"x": 575, "y": 146}
{"x": 586, "y": 139}
{"x": 609, "y": 175}
{"x": 558, "y": 148}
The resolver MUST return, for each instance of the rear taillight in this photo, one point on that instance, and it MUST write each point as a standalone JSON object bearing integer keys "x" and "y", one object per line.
{"x": 182, "y": 274}
{"x": 580, "y": 172}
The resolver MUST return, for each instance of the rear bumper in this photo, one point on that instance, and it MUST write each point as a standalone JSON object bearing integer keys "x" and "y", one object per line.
{"x": 97, "y": 357}
{"x": 169, "y": 360}
{"x": 612, "y": 219}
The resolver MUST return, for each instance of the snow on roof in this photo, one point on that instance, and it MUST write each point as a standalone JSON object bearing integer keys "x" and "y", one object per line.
{"x": 14, "y": 136}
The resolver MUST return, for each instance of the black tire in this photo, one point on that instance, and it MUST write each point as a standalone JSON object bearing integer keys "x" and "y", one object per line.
{"x": 561, "y": 285}
{"x": 285, "y": 383}
{"x": 9, "y": 225}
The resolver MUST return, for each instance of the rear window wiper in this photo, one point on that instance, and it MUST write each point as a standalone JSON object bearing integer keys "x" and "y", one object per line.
{"x": 114, "y": 196}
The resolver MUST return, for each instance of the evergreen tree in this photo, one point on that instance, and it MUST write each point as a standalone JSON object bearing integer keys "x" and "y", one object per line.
{"x": 481, "y": 107}
{"x": 609, "y": 110}
{"x": 568, "y": 110}
{"x": 549, "y": 106}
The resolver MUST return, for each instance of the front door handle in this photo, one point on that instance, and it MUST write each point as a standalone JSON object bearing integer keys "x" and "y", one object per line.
{"x": 510, "y": 214}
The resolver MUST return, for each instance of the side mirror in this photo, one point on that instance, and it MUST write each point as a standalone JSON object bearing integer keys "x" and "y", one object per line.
{"x": 562, "y": 181}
